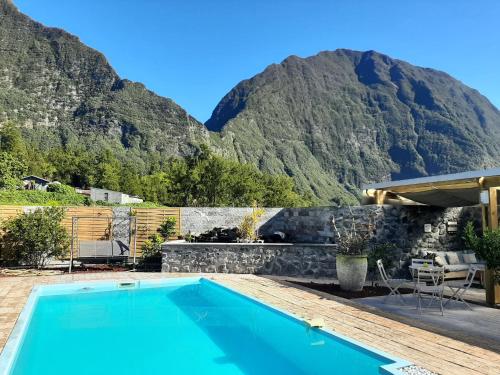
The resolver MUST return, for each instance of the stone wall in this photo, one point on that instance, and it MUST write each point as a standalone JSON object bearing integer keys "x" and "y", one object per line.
{"x": 404, "y": 226}
{"x": 311, "y": 251}
{"x": 120, "y": 229}
{"x": 201, "y": 219}
{"x": 306, "y": 260}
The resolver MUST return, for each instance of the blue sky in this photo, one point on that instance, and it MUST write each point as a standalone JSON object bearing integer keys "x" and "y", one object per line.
{"x": 195, "y": 51}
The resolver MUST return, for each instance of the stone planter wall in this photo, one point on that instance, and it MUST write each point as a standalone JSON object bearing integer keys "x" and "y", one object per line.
{"x": 403, "y": 226}
{"x": 307, "y": 260}
{"x": 412, "y": 229}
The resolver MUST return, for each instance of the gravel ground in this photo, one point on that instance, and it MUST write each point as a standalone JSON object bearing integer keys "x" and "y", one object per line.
{"x": 415, "y": 370}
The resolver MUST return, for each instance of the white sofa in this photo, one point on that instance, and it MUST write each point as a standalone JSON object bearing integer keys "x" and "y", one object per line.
{"x": 456, "y": 263}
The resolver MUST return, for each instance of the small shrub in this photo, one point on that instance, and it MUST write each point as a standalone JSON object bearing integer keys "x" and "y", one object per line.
{"x": 61, "y": 189}
{"x": 189, "y": 237}
{"x": 152, "y": 246}
{"x": 487, "y": 246}
{"x": 167, "y": 229}
{"x": 248, "y": 227}
{"x": 34, "y": 238}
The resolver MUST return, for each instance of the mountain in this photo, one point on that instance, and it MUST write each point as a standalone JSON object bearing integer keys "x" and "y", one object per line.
{"x": 63, "y": 92}
{"x": 339, "y": 119}
{"x": 332, "y": 121}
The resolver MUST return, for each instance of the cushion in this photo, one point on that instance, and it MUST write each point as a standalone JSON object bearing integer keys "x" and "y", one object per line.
{"x": 452, "y": 257}
{"x": 442, "y": 254}
{"x": 440, "y": 261}
{"x": 469, "y": 258}
{"x": 457, "y": 267}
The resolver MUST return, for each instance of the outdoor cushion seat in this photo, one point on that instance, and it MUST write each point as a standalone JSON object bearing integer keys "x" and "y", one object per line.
{"x": 456, "y": 267}
{"x": 456, "y": 263}
{"x": 469, "y": 258}
{"x": 454, "y": 257}
{"x": 440, "y": 259}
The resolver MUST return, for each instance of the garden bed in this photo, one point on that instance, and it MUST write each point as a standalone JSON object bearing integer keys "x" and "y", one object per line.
{"x": 334, "y": 289}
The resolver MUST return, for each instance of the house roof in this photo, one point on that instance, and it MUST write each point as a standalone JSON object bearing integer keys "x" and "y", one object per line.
{"x": 33, "y": 177}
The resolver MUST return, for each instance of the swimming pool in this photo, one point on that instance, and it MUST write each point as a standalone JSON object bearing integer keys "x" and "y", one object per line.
{"x": 174, "y": 326}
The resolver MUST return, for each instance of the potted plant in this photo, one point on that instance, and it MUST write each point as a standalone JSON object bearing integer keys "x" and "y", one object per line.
{"x": 487, "y": 248}
{"x": 352, "y": 257}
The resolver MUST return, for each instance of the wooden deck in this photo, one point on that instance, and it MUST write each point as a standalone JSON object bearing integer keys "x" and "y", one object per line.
{"x": 426, "y": 349}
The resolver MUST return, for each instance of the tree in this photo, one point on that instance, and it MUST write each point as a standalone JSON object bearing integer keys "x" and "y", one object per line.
{"x": 74, "y": 166}
{"x": 34, "y": 238}
{"x": 155, "y": 188}
{"x": 210, "y": 177}
{"x": 108, "y": 171}
{"x": 11, "y": 140}
{"x": 130, "y": 180}
{"x": 244, "y": 184}
{"x": 279, "y": 192}
{"x": 181, "y": 184}
{"x": 11, "y": 171}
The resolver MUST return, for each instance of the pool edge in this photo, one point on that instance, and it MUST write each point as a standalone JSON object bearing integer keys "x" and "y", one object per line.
{"x": 11, "y": 348}
{"x": 390, "y": 368}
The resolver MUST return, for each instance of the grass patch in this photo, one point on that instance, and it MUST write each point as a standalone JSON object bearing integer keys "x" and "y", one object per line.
{"x": 41, "y": 198}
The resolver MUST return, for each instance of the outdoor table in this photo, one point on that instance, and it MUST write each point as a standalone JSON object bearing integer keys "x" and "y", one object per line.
{"x": 414, "y": 269}
{"x": 414, "y": 272}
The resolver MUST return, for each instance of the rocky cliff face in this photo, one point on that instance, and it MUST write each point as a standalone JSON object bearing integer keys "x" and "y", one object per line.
{"x": 332, "y": 121}
{"x": 62, "y": 91}
{"x": 342, "y": 118}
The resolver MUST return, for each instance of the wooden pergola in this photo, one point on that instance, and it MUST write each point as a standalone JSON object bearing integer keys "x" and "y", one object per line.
{"x": 452, "y": 190}
{"x": 474, "y": 188}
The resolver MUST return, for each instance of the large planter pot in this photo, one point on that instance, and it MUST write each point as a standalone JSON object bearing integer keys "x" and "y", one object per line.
{"x": 351, "y": 272}
{"x": 492, "y": 288}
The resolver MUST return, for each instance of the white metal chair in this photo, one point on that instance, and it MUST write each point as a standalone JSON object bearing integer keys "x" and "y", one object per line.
{"x": 417, "y": 262}
{"x": 460, "y": 287}
{"x": 392, "y": 284}
{"x": 430, "y": 284}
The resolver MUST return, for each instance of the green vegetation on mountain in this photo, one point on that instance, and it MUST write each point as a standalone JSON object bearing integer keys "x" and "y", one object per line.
{"x": 331, "y": 122}
{"x": 203, "y": 179}
{"x": 65, "y": 94}
{"x": 339, "y": 119}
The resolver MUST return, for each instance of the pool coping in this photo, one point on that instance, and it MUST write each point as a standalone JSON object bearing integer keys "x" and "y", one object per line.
{"x": 11, "y": 348}
{"x": 391, "y": 368}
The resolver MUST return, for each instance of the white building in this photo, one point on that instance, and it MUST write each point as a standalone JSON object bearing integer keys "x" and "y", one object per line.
{"x": 111, "y": 196}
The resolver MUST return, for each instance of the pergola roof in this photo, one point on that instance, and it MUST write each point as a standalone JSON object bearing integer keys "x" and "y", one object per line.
{"x": 450, "y": 190}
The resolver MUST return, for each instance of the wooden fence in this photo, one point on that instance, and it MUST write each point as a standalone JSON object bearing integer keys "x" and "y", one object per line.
{"x": 96, "y": 223}
{"x": 148, "y": 220}
{"x": 6, "y": 212}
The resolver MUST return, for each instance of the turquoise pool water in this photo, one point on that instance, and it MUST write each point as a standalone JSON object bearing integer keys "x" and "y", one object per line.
{"x": 184, "y": 327}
